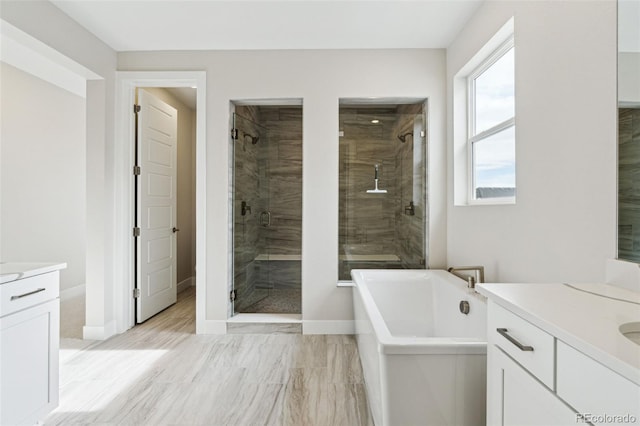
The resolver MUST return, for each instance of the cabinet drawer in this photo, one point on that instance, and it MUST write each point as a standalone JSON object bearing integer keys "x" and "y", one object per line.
{"x": 524, "y": 342}
{"x": 21, "y": 294}
{"x": 593, "y": 389}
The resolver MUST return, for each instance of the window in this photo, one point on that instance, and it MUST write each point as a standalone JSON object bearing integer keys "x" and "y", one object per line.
{"x": 491, "y": 128}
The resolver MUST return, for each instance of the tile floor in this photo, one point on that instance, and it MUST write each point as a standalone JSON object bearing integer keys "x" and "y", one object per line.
{"x": 161, "y": 373}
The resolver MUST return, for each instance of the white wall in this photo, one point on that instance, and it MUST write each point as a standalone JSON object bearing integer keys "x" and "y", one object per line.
{"x": 44, "y": 22}
{"x": 629, "y": 77}
{"x": 563, "y": 226}
{"x": 186, "y": 203}
{"x": 320, "y": 78}
{"x": 42, "y": 166}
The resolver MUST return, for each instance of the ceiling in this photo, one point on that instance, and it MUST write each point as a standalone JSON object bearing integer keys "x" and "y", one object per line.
{"x": 141, "y": 25}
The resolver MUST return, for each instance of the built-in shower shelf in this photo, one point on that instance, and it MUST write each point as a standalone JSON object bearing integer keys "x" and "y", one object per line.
{"x": 370, "y": 257}
{"x": 347, "y": 257}
{"x": 278, "y": 257}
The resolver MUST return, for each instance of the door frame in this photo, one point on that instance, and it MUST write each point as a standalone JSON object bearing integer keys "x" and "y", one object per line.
{"x": 126, "y": 84}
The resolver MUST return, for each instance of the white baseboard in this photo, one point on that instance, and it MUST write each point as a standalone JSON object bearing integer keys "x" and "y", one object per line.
{"x": 72, "y": 292}
{"x": 211, "y": 327}
{"x": 328, "y": 327}
{"x": 185, "y": 284}
{"x": 99, "y": 332}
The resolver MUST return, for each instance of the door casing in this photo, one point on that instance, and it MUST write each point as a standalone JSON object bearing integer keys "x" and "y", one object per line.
{"x": 126, "y": 84}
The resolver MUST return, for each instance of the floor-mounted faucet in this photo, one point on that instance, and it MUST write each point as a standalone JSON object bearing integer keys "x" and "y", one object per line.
{"x": 471, "y": 280}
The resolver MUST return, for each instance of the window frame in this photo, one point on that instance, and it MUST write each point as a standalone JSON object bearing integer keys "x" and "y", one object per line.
{"x": 472, "y": 137}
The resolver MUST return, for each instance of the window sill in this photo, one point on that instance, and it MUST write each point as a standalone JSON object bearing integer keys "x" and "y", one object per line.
{"x": 492, "y": 202}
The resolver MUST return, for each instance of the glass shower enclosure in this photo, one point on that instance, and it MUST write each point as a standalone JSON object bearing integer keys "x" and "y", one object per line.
{"x": 383, "y": 209}
{"x": 267, "y": 208}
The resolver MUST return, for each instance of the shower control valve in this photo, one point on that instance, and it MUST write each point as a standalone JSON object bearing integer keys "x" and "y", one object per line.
{"x": 244, "y": 208}
{"x": 410, "y": 210}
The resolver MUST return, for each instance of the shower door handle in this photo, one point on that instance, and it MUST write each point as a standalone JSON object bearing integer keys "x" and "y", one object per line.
{"x": 265, "y": 219}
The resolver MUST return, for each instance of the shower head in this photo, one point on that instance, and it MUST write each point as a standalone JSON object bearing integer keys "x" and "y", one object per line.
{"x": 403, "y": 137}
{"x": 254, "y": 139}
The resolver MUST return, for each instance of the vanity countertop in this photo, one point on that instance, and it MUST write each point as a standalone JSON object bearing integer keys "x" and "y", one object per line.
{"x": 12, "y": 271}
{"x": 578, "y": 315}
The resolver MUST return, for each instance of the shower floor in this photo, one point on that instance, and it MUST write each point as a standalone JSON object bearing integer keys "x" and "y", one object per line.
{"x": 279, "y": 301}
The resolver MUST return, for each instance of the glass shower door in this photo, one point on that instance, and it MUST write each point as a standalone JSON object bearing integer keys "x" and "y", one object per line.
{"x": 251, "y": 214}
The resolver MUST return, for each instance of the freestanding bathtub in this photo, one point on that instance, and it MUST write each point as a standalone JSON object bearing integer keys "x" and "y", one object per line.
{"x": 424, "y": 361}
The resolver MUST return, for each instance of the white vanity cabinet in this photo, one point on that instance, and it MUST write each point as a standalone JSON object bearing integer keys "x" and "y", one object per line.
{"x": 594, "y": 389}
{"x": 520, "y": 374}
{"x": 29, "y": 343}
{"x": 518, "y": 398}
{"x": 556, "y": 357}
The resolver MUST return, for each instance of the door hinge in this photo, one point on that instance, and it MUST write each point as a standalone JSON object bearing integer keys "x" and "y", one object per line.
{"x": 234, "y": 134}
{"x": 136, "y": 232}
{"x": 232, "y": 295}
{"x": 136, "y": 108}
{"x": 136, "y": 170}
{"x": 136, "y": 293}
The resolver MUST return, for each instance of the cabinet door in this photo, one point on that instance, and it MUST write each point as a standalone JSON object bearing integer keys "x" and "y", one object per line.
{"x": 515, "y": 397}
{"x": 29, "y": 342}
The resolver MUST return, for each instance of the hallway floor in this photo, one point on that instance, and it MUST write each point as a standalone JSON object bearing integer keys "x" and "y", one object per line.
{"x": 161, "y": 373}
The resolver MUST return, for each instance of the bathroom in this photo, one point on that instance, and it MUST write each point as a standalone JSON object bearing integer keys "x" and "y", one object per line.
{"x": 562, "y": 228}
{"x": 555, "y": 202}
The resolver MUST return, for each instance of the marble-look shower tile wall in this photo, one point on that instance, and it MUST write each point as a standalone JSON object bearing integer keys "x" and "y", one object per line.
{"x": 246, "y": 188}
{"x": 410, "y": 169}
{"x": 629, "y": 184}
{"x": 367, "y": 221}
{"x": 376, "y": 224}
{"x": 268, "y": 177}
{"x": 282, "y": 169}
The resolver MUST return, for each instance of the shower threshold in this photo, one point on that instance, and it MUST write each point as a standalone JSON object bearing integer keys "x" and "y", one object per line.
{"x": 265, "y": 324}
{"x": 267, "y": 318}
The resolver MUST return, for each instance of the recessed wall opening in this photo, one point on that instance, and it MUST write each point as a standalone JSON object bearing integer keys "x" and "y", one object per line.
{"x": 383, "y": 186}
{"x": 267, "y": 207}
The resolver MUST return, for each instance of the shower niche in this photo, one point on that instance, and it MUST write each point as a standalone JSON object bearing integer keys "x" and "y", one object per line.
{"x": 267, "y": 207}
{"x": 383, "y": 186}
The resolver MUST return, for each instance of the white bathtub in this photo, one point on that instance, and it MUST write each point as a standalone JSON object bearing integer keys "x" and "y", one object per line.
{"x": 424, "y": 361}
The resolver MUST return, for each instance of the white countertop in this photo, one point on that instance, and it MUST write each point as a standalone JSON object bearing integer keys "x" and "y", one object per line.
{"x": 587, "y": 322}
{"x": 12, "y": 271}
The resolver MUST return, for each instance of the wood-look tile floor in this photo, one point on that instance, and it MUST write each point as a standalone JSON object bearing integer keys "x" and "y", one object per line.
{"x": 161, "y": 373}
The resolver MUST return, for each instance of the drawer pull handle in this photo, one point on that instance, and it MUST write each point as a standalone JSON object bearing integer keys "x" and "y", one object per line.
{"x": 20, "y": 296}
{"x": 503, "y": 332}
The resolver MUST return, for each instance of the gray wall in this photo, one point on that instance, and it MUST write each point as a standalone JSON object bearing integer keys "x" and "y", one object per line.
{"x": 563, "y": 225}
{"x": 43, "y": 177}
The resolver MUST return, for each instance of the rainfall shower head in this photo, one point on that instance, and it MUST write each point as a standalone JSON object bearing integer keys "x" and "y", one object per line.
{"x": 254, "y": 139}
{"x": 403, "y": 137}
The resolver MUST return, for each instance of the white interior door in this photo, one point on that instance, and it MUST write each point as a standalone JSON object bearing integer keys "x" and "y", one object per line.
{"x": 156, "y": 254}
